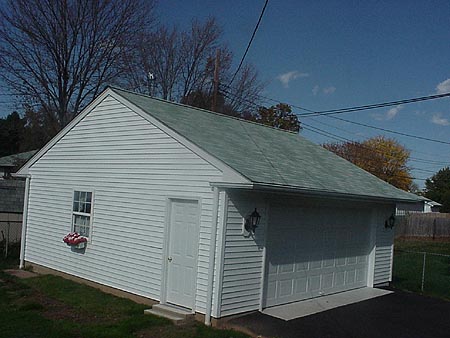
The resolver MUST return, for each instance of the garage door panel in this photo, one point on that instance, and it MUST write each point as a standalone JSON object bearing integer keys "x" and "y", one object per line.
{"x": 314, "y": 283}
{"x": 361, "y": 275}
{"x": 309, "y": 254}
{"x": 301, "y": 285}
{"x": 350, "y": 277}
{"x": 271, "y": 292}
{"x": 351, "y": 260}
{"x": 328, "y": 262}
{"x": 362, "y": 259}
{"x": 316, "y": 262}
{"x": 303, "y": 266}
{"x": 339, "y": 279}
{"x": 286, "y": 287}
{"x": 327, "y": 280}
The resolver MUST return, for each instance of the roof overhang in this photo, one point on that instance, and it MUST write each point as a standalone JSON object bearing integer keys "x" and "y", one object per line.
{"x": 265, "y": 187}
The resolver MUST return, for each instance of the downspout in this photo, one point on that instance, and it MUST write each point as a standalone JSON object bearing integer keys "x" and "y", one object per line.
{"x": 212, "y": 257}
{"x": 24, "y": 222}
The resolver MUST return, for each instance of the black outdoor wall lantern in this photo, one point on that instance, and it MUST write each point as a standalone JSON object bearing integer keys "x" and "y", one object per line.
{"x": 252, "y": 221}
{"x": 390, "y": 222}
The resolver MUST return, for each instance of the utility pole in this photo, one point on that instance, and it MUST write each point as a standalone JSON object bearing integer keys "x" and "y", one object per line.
{"x": 216, "y": 81}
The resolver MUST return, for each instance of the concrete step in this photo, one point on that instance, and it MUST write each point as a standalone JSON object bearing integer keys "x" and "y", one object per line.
{"x": 175, "y": 314}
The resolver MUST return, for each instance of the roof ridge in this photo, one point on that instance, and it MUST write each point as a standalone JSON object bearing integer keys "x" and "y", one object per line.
{"x": 202, "y": 109}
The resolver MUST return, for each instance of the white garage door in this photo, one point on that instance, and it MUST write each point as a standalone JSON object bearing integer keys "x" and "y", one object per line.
{"x": 315, "y": 251}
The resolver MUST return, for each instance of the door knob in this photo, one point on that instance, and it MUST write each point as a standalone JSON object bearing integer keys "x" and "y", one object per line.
{"x": 169, "y": 259}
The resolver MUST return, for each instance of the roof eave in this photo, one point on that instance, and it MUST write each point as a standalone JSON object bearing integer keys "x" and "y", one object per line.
{"x": 310, "y": 192}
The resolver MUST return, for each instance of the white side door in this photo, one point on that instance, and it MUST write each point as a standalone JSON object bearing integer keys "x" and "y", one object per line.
{"x": 182, "y": 252}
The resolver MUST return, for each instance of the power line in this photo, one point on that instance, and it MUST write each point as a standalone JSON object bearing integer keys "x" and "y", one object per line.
{"x": 340, "y": 139}
{"x": 425, "y": 161}
{"x": 331, "y": 135}
{"x": 332, "y": 126}
{"x": 389, "y": 130}
{"x": 424, "y": 170}
{"x": 313, "y": 113}
{"x": 377, "y": 105}
{"x": 416, "y": 159}
{"x": 420, "y": 160}
{"x": 266, "y": 98}
{"x": 337, "y": 137}
{"x": 230, "y": 95}
{"x": 250, "y": 42}
{"x": 395, "y": 175}
{"x": 323, "y": 132}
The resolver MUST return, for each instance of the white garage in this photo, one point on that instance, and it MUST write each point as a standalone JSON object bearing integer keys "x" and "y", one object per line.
{"x": 181, "y": 187}
{"x": 311, "y": 253}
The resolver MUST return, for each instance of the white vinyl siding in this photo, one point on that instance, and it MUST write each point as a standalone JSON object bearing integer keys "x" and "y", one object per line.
{"x": 133, "y": 167}
{"x": 384, "y": 246}
{"x": 242, "y": 256}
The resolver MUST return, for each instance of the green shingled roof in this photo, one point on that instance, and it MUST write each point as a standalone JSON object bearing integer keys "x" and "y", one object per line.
{"x": 266, "y": 155}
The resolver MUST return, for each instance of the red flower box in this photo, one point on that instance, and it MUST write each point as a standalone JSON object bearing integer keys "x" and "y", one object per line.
{"x": 73, "y": 238}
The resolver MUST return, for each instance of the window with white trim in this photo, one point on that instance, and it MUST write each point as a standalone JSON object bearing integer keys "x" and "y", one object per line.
{"x": 82, "y": 209}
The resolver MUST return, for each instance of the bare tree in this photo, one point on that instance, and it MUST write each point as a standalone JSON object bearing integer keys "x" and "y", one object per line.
{"x": 198, "y": 49}
{"x": 156, "y": 66}
{"x": 171, "y": 63}
{"x": 179, "y": 65}
{"x": 243, "y": 96}
{"x": 60, "y": 53}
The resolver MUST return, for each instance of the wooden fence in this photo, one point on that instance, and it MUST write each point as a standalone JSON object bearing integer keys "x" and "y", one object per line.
{"x": 428, "y": 225}
{"x": 10, "y": 231}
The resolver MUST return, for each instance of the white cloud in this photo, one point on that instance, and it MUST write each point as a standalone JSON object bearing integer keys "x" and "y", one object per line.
{"x": 443, "y": 87}
{"x": 389, "y": 115}
{"x": 289, "y": 76}
{"x": 329, "y": 90}
{"x": 438, "y": 119}
{"x": 315, "y": 90}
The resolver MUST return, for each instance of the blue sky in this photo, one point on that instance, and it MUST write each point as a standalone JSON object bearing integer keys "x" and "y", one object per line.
{"x": 332, "y": 54}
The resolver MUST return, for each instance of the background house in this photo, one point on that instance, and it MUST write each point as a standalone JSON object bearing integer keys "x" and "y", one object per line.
{"x": 10, "y": 164}
{"x": 163, "y": 192}
{"x": 431, "y": 206}
{"x": 425, "y": 205}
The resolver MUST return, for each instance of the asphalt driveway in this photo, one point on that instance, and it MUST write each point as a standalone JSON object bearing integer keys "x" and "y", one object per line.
{"x": 396, "y": 315}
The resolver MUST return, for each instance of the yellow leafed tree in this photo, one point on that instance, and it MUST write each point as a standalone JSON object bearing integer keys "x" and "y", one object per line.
{"x": 383, "y": 157}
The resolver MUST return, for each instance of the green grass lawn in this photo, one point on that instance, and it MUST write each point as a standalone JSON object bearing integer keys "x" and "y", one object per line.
{"x": 50, "y": 306}
{"x": 407, "y": 269}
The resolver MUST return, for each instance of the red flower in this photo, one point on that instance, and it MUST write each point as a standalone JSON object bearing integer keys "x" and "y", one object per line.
{"x": 73, "y": 238}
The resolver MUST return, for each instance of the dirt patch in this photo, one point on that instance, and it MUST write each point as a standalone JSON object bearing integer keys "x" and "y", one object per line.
{"x": 23, "y": 274}
{"x": 56, "y": 310}
{"x": 173, "y": 331}
{"x": 50, "y": 308}
{"x": 31, "y": 299}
